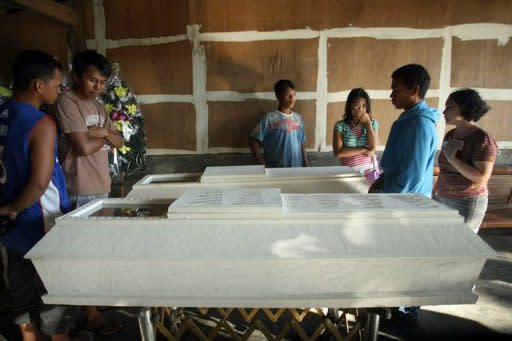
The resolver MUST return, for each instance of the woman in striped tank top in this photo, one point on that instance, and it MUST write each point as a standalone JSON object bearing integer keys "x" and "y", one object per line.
{"x": 355, "y": 136}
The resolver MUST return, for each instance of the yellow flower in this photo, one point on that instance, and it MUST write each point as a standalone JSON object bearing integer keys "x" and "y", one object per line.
{"x": 108, "y": 108}
{"x": 120, "y": 91}
{"x": 5, "y": 92}
{"x": 124, "y": 149}
{"x": 132, "y": 108}
{"x": 118, "y": 125}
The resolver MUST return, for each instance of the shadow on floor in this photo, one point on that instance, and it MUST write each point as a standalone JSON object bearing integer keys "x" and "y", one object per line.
{"x": 437, "y": 327}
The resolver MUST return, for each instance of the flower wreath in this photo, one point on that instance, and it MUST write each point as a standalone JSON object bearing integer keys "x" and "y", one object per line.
{"x": 5, "y": 94}
{"x": 124, "y": 111}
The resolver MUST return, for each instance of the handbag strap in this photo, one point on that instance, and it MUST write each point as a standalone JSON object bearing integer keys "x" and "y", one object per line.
{"x": 375, "y": 163}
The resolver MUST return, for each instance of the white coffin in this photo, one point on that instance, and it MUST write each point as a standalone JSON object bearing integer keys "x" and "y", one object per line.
{"x": 233, "y": 173}
{"x": 260, "y": 173}
{"x": 334, "y": 179}
{"x": 325, "y": 172}
{"x": 363, "y": 262}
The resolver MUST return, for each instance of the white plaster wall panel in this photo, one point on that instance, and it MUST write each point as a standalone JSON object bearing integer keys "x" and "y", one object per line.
{"x": 377, "y": 59}
{"x": 232, "y": 118}
{"x": 252, "y": 66}
{"x": 488, "y": 67}
{"x": 170, "y": 125}
{"x": 495, "y": 122}
{"x": 159, "y": 17}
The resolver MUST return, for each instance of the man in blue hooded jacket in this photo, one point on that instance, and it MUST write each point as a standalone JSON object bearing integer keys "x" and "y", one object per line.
{"x": 408, "y": 158}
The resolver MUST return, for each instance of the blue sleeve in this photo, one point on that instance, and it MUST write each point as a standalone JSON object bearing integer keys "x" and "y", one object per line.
{"x": 375, "y": 124}
{"x": 414, "y": 158}
{"x": 259, "y": 131}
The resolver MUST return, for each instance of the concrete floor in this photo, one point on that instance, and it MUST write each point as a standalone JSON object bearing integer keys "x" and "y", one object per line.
{"x": 489, "y": 319}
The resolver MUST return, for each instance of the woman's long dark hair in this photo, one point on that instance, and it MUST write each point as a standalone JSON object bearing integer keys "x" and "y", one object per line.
{"x": 352, "y": 96}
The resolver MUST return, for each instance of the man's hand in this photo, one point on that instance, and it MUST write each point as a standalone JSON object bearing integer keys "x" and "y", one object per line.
{"x": 366, "y": 119}
{"x": 450, "y": 149}
{"x": 97, "y": 132}
{"x": 369, "y": 152}
{"x": 6, "y": 211}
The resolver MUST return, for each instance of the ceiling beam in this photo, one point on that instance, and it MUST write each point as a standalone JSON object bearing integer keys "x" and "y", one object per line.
{"x": 51, "y": 9}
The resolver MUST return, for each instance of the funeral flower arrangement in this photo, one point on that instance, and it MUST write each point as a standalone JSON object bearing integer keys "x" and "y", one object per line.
{"x": 5, "y": 94}
{"x": 124, "y": 111}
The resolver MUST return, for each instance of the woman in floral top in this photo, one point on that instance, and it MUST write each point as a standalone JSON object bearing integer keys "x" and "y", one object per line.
{"x": 467, "y": 158}
{"x": 355, "y": 137}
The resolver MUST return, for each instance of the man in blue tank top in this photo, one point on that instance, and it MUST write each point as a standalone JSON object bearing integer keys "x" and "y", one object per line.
{"x": 32, "y": 187}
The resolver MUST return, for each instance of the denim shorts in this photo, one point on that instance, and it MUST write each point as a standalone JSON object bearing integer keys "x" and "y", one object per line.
{"x": 472, "y": 209}
{"x": 76, "y": 201}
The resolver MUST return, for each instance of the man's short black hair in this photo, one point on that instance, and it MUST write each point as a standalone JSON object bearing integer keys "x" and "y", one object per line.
{"x": 472, "y": 106}
{"x": 32, "y": 64}
{"x": 87, "y": 58}
{"x": 282, "y": 85}
{"x": 412, "y": 75}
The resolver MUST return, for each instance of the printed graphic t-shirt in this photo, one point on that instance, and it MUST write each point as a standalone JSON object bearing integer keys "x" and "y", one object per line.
{"x": 282, "y": 136}
{"x": 84, "y": 174}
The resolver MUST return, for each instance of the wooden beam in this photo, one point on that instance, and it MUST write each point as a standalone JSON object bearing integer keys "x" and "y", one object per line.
{"x": 51, "y": 9}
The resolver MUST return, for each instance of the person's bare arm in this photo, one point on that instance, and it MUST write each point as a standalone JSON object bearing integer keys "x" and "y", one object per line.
{"x": 305, "y": 161}
{"x": 371, "y": 134}
{"x": 83, "y": 144}
{"x": 112, "y": 137}
{"x": 255, "y": 147}
{"x": 340, "y": 150}
{"x": 87, "y": 143}
{"x": 42, "y": 158}
{"x": 115, "y": 139}
{"x": 478, "y": 174}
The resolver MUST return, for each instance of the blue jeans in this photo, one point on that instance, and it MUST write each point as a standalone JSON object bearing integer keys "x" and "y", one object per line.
{"x": 472, "y": 209}
{"x": 75, "y": 201}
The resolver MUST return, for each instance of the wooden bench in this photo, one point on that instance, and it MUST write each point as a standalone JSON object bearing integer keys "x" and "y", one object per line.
{"x": 499, "y": 211}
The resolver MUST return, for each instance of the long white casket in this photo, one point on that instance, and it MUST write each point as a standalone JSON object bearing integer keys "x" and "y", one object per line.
{"x": 247, "y": 249}
{"x": 331, "y": 179}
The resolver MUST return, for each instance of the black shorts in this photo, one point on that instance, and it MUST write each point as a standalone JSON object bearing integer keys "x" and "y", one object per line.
{"x": 26, "y": 289}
